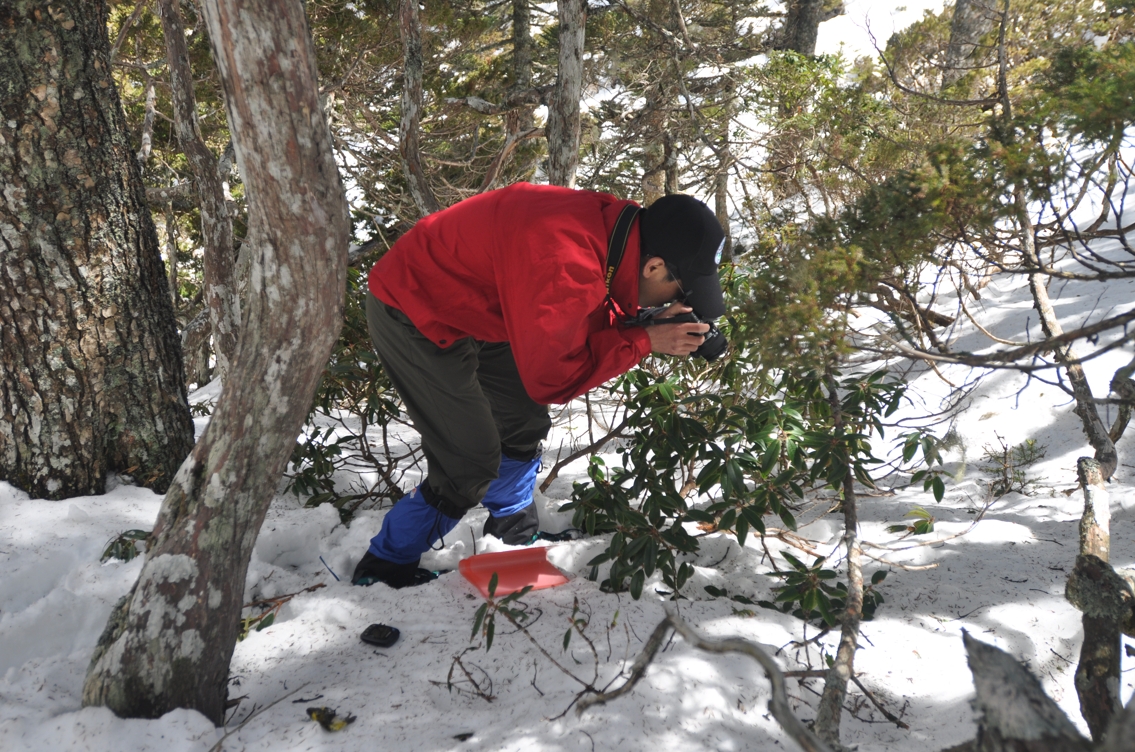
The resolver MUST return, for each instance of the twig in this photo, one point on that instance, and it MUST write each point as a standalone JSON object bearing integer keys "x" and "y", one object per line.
{"x": 487, "y": 696}
{"x": 614, "y": 433}
{"x": 217, "y": 747}
{"x": 638, "y": 668}
{"x": 778, "y": 705}
{"x": 133, "y": 19}
{"x": 904, "y": 567}
{"x": 1008, "y": 358}
{"x": 535, "y": 670}
{"x": 886, "y": 714}
{"x": 280, "y": 600}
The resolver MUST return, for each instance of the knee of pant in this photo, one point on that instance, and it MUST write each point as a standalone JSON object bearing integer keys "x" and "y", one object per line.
{"x": 447, "y": 506}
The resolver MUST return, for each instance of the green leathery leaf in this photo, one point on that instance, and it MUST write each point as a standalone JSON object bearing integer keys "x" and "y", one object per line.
{"x": 637, "y": 582}
{"x": 478, "y": 619}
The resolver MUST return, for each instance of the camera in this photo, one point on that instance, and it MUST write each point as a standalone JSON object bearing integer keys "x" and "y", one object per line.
{"x": 713, "y": 344}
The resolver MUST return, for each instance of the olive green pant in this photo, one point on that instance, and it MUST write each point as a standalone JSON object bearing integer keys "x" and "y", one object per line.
{"x": 466, "y": 401}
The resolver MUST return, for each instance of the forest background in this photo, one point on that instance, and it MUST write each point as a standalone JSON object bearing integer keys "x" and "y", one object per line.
{"x": 869, "y": 203}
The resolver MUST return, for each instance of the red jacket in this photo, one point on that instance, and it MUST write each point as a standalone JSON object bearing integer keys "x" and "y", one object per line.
{"x": 522, "y": 265}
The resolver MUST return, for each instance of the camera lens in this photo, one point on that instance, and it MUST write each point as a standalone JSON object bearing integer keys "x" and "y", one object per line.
{"x": 713, "y": 345}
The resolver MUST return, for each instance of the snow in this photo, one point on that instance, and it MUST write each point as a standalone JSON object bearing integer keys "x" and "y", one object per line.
{"x": 995, "y": 568}
{"x": 866, "y": 25}
{"x": 1002, "y": 578}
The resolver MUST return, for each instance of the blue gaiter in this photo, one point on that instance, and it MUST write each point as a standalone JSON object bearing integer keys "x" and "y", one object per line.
{"x": 409, "y": 530}
{"x": 512, "y": 490}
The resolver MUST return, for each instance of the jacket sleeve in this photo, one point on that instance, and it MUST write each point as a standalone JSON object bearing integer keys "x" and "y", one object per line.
{"x": 552, "y": 300}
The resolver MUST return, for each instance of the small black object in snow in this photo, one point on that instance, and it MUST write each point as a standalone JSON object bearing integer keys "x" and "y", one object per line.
{"x": 381, "y": 635}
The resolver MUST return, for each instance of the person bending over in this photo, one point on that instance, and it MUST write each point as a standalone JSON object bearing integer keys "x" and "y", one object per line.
{"x": 487, "y": 312}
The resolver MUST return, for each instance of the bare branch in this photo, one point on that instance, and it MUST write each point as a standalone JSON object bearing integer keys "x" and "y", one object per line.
{"x": 614, "y": 433}
{"x": 778, "y": 705}
{"x": 1009, "y": 357}
{"x": 126, "y": 26}
{"x": 514, "y": 101}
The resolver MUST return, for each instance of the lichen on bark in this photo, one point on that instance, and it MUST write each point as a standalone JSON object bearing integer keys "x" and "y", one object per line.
{"x": 91, "y": 378}
{"x": 171, "y": 644}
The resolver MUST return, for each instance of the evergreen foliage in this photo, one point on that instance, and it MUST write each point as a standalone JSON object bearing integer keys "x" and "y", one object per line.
{"x": 846, "y": 185}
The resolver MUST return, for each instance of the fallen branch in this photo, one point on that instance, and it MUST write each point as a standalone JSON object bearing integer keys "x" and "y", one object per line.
{"x": 879, "y": 706}
{"x": 778, "y": 704}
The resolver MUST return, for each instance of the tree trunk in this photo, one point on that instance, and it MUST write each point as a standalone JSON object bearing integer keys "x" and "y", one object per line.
{"x": 221, "y": 297}
{"x": 801, "y": 26}
{"x": 972, "y": 20}
{"x": 91, "y": 377}
{"x": 1097, "y": 433}
{"x": 522, "y": 58}
{"x": 563, "y": 112}
{"x": 721, "y": 208}
{"x": 171, "y": 262}
{"x": 654, "y": 148}
{"x": 195, "y": 345}
{"x": 1105, "y": 600}
{"x": 655, "y": 115}
{"x": 721, "y": 179}
{"x": 830, "y": 710}
{"x": 169, "y": 642}
{"x": 409, "y": 143}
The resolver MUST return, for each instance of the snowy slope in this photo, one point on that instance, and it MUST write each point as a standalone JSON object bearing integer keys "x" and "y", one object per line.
{"x": 1002, "y": 579}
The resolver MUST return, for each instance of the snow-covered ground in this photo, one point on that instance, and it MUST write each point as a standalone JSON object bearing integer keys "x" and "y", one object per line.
{"x": 1002, "y": 579}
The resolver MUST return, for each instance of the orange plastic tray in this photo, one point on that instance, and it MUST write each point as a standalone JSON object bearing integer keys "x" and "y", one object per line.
{"x": 515, "y": 570}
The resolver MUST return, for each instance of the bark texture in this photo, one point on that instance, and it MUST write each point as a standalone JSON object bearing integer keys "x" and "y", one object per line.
{"x": 801, "y": 24}
{"x": 1013, "y": 712}
{"x": 409, "y": 141}
{"x": 563, "y": 111}
{"x": 522, "y": 49}
{"x": 1096, "y": 432}
{"x": 169, "y": 642}
{"x": 221, "y": 299}
{"x": 1105, "y": 600}
{"x": 972, "y": 20}
{"x": 90, "y": 365}
{"x": 830, "y": 709}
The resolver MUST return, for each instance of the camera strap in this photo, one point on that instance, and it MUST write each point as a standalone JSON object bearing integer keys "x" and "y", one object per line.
{"x": 617, "y": 246}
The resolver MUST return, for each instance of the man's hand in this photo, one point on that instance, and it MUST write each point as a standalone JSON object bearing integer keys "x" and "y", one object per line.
{"x": 676, "y": 339}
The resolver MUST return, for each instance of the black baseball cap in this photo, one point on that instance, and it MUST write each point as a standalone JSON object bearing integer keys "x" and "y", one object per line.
{"x": 685, "y": 233}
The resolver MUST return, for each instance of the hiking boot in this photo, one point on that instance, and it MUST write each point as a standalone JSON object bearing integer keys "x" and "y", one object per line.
{"x": 572, "y": 533}
{"x": 372, "y": 569}
{"x": 518, "y": 529}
